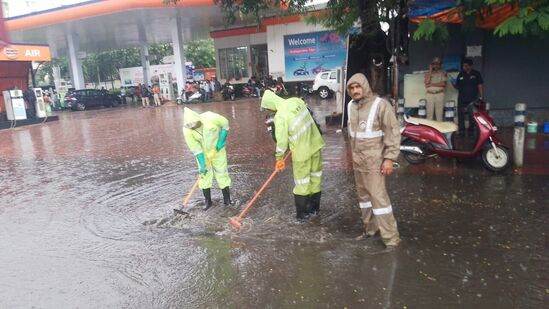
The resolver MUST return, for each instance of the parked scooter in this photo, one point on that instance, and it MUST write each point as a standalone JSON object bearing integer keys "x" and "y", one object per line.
{"x": 424, "y": 138}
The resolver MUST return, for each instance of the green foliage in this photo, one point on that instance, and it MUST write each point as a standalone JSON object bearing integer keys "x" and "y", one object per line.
{"x": 429, "y": 29}
{"x": 531, "y": 20}
{"x": 201, "y": 53}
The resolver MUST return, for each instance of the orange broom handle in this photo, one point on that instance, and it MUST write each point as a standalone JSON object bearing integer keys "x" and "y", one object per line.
{"x": 256, "y": 196}
{"x": 190, "y": 193}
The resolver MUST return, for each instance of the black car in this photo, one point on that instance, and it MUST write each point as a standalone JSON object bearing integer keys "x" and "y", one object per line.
{"x": 82, "y": 99}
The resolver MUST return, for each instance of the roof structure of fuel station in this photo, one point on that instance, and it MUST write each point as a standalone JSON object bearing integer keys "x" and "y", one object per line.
{"x": 103, "y": 25}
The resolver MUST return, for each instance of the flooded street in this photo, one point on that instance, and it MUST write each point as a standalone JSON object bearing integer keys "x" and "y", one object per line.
{"x": 86, "y": 221}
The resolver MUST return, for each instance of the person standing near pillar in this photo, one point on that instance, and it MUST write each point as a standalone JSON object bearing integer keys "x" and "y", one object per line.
{"x": 295, "y": 128}
{"x": 156, "y": 95}
{"x": 435, "y": 83}
{"x": 145, "y": 96}
{"x": 375, "y": 142}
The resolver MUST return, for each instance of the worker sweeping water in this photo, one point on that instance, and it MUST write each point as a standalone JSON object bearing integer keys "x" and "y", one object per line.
{"x": 295, "y": 128}
{"x": 205, "y": 135}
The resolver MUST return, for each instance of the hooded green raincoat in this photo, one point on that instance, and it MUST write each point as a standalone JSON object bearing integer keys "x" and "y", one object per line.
{"x": 203, "y": 140}
{"x": 295, "y": 128}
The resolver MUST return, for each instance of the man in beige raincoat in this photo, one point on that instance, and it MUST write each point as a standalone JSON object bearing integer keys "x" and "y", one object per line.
{"x": 375, "y": 143}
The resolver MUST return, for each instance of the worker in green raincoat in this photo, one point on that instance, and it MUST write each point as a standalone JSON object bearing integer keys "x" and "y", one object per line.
{"x": 296, "y": 128}
{"x": 205, "y": 135}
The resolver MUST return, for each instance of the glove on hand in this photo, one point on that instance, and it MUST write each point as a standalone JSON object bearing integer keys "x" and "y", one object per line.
{"x": 280, "y": 164}
{"x": 222, "y": 138}
{"x": 201, "y": 163}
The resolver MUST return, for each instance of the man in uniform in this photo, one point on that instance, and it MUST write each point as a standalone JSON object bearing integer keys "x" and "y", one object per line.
{"x": 205, "y": 135}
{"x": 296, "y": 128}
{"x": 435, "y": 83}
{"x": 375, "y": 143}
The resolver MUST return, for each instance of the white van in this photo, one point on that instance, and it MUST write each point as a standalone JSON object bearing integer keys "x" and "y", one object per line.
{"x": 326, "y": 84}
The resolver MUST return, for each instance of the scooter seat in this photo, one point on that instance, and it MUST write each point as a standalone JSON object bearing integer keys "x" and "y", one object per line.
{"x": 441, "y": 126}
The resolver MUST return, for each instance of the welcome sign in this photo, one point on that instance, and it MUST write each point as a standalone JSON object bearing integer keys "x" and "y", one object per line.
{"x": 307, "y": 54}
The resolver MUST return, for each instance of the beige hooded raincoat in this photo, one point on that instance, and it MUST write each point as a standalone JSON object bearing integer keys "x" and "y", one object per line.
{"x": 375, "y": 136}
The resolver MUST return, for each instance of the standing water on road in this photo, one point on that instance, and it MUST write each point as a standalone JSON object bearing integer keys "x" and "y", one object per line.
{"x": 86, "y": 220}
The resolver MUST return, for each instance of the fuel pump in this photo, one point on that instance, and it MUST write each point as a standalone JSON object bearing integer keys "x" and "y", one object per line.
{"x": 15, "y": 104}
{"x": 40, "y": 104}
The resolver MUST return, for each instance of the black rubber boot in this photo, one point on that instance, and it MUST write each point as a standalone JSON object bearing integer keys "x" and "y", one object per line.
{"x": 314, "y": 200}
{"x": 301, "y": 212}
{"x": 208, "y": 199}
{"x": 227, "y": 196}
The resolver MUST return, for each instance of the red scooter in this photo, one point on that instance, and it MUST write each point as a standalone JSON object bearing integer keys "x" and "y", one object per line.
{"x": 424, "y": 138}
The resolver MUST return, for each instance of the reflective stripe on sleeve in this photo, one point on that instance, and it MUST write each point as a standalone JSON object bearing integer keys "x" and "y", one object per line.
{"x": 363, "y": 205}
{"x": 196, "y": 151}
{"x": 294, "y": 137}
{"x": 298, "y": 119}
{"x": 316, "y": 174}
{"x": 226, "y": 128}
{"x": 383, "y": 211}
{"x": 303, "y": 181}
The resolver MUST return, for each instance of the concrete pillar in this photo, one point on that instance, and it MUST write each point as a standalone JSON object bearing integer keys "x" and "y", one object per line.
{"x": 144, "y": 50}
{"x": 75, "y": 62}
{"x": 56, "y": 70}
{"x": 179, "y": 55}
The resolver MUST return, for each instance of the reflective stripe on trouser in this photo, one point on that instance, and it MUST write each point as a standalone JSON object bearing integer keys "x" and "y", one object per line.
{"x": 308, "y": 175}
{"x": 218, "y": 169}
{"x": 370, "y": 224}
{"x": 435, "y": 106}
{"x": 371, "y": 188}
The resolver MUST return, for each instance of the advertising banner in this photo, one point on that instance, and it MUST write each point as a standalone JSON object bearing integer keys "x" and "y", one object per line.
{"x": 307, "y": 54}
{"x": 17, "y": 52}
{"x": 134, "y": 76}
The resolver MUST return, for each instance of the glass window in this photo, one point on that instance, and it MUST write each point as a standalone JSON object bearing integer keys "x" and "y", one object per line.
{"x": 233, "y": 63}
{"x": 333, "y": 75}
{"x": 324, "y": 76}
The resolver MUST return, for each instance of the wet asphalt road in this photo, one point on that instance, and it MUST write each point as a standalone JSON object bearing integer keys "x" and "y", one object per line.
{"x": 86, "y": 221}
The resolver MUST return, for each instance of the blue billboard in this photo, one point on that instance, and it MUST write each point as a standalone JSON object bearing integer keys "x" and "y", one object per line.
{"x": 307, "y": 54}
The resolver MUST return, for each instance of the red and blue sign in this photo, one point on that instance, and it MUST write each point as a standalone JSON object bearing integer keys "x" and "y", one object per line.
{"x": 307, "y": 54}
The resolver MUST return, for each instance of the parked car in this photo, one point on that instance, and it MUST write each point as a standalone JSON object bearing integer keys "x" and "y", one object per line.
{"x": 82, "y": 99}
{"x": 326, "y": 84}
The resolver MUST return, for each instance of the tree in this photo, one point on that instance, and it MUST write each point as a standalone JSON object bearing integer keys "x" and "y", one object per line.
{"x": 377, "y": 45}
{"x": 201, "y": 53}
{"x": 531, "y": 18}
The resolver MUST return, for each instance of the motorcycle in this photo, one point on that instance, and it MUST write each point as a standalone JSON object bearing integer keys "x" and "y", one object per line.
{"x": 424, "y": 139}
{"x": 228, "y": 93}
{"x": 249, "y": 91}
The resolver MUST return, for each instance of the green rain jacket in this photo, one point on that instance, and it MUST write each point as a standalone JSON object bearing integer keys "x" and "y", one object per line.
{"x": 294, "y": 126}
{"x": 203, "y": 139}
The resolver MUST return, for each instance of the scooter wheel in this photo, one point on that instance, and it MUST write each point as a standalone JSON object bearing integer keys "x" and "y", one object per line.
{"x": 413, "y": 158}
{"x": 496, "y": 160}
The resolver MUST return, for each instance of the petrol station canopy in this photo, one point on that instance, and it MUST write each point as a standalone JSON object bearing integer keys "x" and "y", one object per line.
{"x": 103, "y": 25}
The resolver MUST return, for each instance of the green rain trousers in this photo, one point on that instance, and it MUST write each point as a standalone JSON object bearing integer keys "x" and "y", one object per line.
{"x": 204, "y": 140}
{"x": 308, "y": 175}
